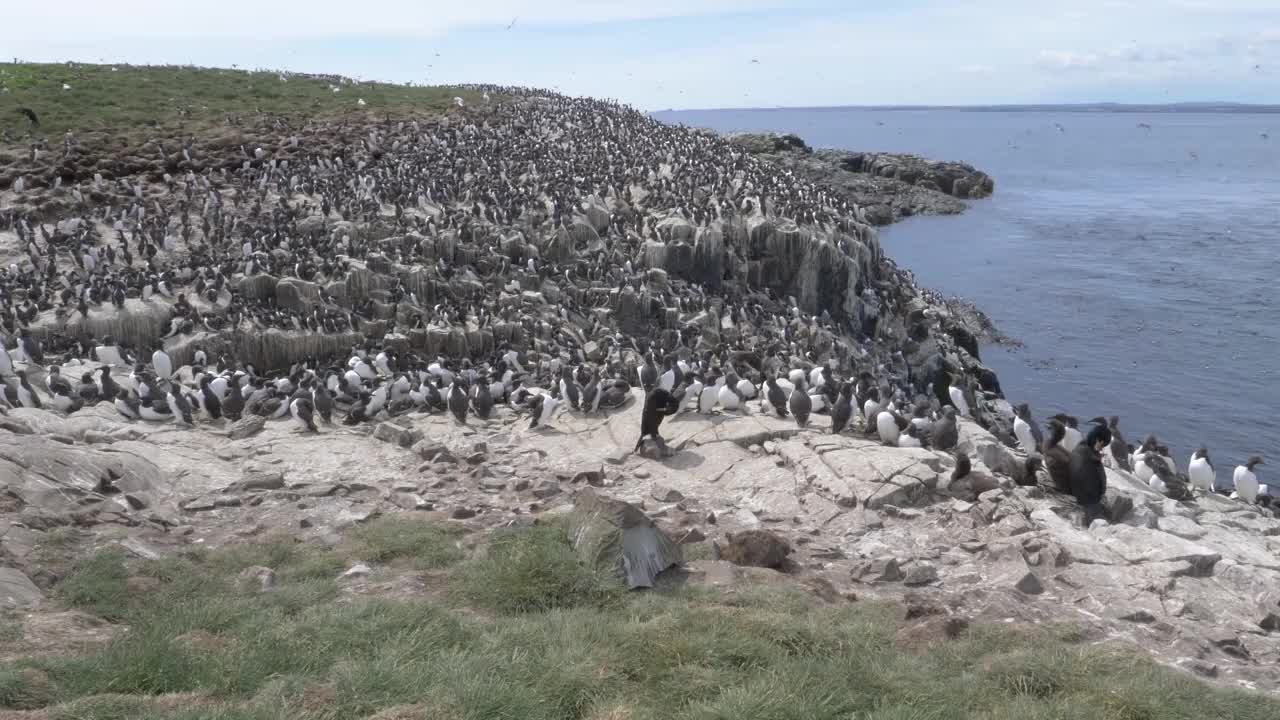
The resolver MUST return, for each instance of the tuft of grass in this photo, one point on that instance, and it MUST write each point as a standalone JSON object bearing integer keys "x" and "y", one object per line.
{"x": 430, "y": 546}
{"x": 97, "y": 584}
{"x": 532, "y": 570}
{"x": 557, "y": 642}
{"x": 155, "y": 99}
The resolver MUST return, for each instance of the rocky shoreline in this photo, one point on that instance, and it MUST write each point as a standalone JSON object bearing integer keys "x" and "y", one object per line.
{"x": 705, "y": 252}
{"x": 886, "y": 187}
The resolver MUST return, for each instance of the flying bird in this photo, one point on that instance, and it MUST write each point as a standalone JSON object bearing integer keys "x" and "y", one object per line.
{"x": 31, "y": 115}
{"x": 513, "y": 22}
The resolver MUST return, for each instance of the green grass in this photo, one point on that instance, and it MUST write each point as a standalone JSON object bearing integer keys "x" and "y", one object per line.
{"x": 533, "y": 570}
{"x": 158, "y": 98}
{"x": 427, "y": 545}
{"x": 552, "y": 641}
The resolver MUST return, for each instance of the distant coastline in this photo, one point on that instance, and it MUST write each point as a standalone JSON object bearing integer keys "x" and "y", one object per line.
{"x": 1188, "y": 107}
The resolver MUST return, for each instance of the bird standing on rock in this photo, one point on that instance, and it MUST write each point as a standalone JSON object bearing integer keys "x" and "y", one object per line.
{"x": 658, "y": 404}
{"x": 1025, "y": 429}
{"x": 458, "y": 402}
{"x": 1200, "y": 471}
{"x": 1246, "y": 480}
{"x": 800, "y": 403}
{"x": 946, "y": 432}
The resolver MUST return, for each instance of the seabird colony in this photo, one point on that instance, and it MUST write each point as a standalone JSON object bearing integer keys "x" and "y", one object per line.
{"x": 542, "y": 252}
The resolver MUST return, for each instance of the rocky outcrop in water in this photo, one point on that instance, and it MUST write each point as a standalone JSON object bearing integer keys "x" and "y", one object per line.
{"x": 888, "y": 187}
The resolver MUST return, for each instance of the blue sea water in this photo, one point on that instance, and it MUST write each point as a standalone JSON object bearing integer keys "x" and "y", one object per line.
{"x": 1140, "y": 266}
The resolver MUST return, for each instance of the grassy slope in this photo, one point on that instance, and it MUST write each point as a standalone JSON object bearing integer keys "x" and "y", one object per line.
{"x": 523, "y": 631}
{"x": 156, "y": 99}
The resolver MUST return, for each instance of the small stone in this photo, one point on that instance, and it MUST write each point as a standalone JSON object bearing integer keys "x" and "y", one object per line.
{"x": 1029, "y": 584}
{"x": 641, "y": 474}
{"x": 921, "y": 573}
{"x": 305, "y": 523}
{"x": 493, "y": 484}
{"x": 1034, "y": 559}
{"x": 547, "y": 489}
{"x": 246, "y": 428}
{"x": 259, "y": 481}
{"x": 902, "y": 513}
{"x": 396, "y": 434}
{"x": 664, "y": 494}
{"x": 521, "y": 485}
{"x": 1200, "y": 667}
{"x": 711, "y": 518}
{"x": 200, "y": 504}
{"x": 137, "y": 501}
{"x": 961, "y": 507}
{"x": 480, "y": 447}
{"x": 694, "y": 535}
{"x": 225, "y": 502}
{"x": 321, "y": 490}
{"x": 358, "y": 571}
{"x": 435, "y": 452}
{"x": 258, "y": 578}
{"x": 346, "y": 518}
{"x": 594, "y": 478}
{"x": 973, "y": 546}
{"x": 1229, "y": 643}
{"x": 409, "y": 501}
{"x": 462, "y": 513}
{"x": 1139, "y": 616}
{"x": 770, "y": 447}
{"x": 878, "y": 570}
{"x": 1270, "y": 622}
{"x": 476, "y": 458}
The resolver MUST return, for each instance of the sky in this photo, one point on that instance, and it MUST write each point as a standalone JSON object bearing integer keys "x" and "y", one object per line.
{"x": 660, "y": 54}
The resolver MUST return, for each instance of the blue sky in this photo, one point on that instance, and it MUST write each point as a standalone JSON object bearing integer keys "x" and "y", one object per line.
{"x": 658, "y": 54}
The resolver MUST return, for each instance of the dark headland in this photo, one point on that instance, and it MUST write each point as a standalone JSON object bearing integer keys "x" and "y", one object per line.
{"x": 339, "y": 384}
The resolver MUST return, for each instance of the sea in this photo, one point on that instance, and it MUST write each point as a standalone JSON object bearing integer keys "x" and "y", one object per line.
{"x": 1136, "y": 257}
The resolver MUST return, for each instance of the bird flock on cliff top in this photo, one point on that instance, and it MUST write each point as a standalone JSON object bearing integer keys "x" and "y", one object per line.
{"x": 504, "y": 185}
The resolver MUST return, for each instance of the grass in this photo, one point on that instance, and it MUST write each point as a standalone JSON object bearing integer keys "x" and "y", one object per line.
{"x": 153, "y": 99}
{"x": 551, "y": 640}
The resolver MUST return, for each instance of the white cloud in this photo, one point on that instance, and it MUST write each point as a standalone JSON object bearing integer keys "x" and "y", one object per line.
{"x": 1064, "y": 60}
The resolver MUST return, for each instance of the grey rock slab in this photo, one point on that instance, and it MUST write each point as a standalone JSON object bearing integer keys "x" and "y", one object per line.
{"x": 17, "y": 591}
{"x": 1181, "y": 526}
{"x": 1138, "y": 545}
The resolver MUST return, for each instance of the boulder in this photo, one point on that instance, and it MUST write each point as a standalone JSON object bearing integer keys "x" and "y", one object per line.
{"x": 755, "y": 548}
{"x": 619, "y": 538}
{"x": 921, "y": 573}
